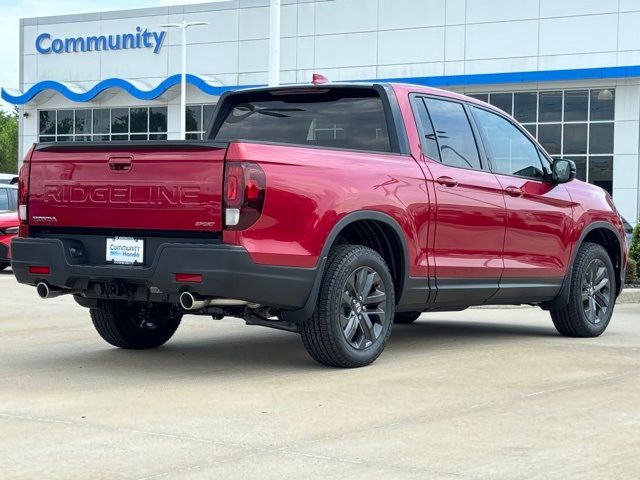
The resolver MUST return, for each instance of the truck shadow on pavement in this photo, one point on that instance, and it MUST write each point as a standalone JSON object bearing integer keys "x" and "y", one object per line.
{"x": 280, "y": 352}
{"x": 454, "y": 334}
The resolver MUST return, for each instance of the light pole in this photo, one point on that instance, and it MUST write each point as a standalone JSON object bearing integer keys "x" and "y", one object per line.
{"x": 183, "y": 77}
{"x": 274, "y": 43}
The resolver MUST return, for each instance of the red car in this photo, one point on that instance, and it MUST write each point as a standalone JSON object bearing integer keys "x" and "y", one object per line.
{"x": 8, "y": 230}
{"x": 327, "y": 210}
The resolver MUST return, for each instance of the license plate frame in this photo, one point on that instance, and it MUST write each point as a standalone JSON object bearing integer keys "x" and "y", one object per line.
{"x": 127, "y": 251}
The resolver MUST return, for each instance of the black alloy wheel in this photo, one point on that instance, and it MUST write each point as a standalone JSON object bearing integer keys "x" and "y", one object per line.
{"x": 362, "y": 311}
{"x": 596, "y": 292}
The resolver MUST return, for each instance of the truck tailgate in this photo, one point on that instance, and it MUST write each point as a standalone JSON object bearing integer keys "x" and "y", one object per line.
{"x": 153, "y": 186}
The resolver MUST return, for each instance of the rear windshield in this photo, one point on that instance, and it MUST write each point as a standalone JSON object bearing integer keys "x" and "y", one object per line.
{"x": 350, "y": 119}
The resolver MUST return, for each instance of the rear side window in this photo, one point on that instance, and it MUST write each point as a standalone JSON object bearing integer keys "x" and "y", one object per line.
{"x": 425, "y": 126}
{"x": 353, "y": 120}
{"x": 454, "y": 135}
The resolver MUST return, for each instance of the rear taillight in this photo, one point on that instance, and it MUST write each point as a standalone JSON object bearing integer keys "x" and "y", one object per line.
{"x": 244, "y": 191}
{"x": 23, "y": 199}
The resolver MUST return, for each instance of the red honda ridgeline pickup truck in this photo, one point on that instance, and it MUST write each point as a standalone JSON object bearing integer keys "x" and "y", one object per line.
{"x": 329, "y": 210}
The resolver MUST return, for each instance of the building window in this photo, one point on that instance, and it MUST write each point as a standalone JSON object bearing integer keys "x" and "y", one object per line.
{"x": 103, "y": 124}
{"x": 575, "y": 124}
{"x": 198, "y": 117}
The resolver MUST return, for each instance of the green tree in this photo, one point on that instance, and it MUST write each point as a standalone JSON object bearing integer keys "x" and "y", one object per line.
{"x": 8, "y": 142}
{"x": 634, "y": 250}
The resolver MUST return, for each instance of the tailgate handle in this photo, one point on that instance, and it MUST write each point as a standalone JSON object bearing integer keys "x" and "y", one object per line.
{"x": 120, "y": 164}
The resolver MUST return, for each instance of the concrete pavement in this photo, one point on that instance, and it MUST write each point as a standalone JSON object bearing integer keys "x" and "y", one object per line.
{"x": 480, "y": 394}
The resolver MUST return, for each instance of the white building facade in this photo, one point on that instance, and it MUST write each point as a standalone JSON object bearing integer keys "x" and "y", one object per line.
{"x": 569, "y": 70}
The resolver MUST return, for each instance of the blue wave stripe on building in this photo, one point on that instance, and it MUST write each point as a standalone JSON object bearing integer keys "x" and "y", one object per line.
{"x": 109, "y": 83}
{"x": 434, "y": 81}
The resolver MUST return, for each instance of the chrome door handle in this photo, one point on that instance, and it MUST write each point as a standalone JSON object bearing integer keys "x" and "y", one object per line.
{"x": 447, "y": 181}
{"x": 514, "y": 191}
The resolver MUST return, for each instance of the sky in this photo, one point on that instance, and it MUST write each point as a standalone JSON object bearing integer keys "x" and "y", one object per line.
{"x": 14, "y": 10}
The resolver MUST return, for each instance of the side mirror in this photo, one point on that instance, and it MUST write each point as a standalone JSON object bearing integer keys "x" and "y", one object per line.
{"x": 563, "y": 170}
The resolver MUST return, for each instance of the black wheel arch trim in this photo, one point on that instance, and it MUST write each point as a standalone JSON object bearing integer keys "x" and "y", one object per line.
{"x": 563, "y": 297}
{"x": 305, "y": 313}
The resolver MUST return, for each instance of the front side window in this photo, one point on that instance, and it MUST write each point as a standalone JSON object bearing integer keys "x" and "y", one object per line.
{"x": 510, "y": 151}
{"x": 454, "y": 135}
{"x": 576, "y": 124}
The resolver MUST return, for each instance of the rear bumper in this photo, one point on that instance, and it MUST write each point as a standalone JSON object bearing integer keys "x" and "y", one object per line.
{"x": 227, "y": 272}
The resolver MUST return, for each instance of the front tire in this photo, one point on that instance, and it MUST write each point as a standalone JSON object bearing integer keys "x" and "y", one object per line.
{"x": 353, "y": 318}
{"x": 137, "y": 326}
{"x": 592, "y": 294}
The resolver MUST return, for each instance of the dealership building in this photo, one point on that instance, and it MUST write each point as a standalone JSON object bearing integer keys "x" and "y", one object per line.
{"x": 568, "y": 70}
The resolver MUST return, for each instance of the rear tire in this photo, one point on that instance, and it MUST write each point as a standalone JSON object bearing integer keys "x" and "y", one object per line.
{"x": 591, "y": 296}
{"x": 353, "y": 318}
{"x": 137, "y": 326}
{"x": 406, "y": 317}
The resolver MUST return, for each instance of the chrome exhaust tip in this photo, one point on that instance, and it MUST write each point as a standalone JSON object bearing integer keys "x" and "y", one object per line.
{"x": 193, "y": 301}
{"x": 44, "y": 291}
{"x": 189, "y": 301}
